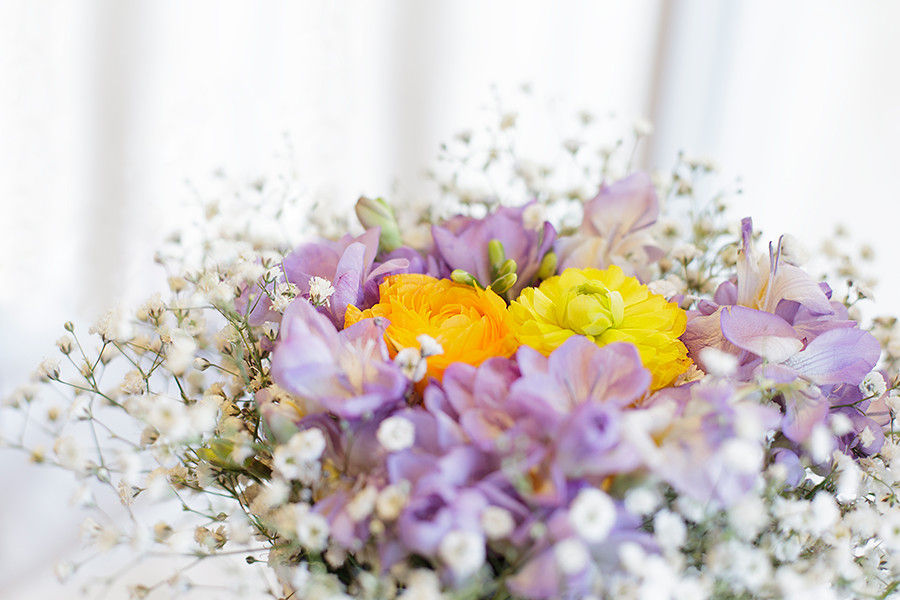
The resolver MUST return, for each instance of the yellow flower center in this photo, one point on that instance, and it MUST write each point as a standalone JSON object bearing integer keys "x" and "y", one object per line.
{"x": 607, "y": 307}
{"x": 592, "y": 308}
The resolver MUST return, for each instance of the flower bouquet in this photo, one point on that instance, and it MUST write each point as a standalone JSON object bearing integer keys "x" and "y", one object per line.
{"x": 602, "y": 392}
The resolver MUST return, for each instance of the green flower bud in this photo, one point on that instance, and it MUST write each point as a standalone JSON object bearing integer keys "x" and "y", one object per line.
{"x": 548, "y": 266}
{"x": 496, "y": 254}
{"x": 502, "y": 284}
{"x": 508, "y": 266}
{"x": 464, "y": 277}
{"x": 377, "y": 213}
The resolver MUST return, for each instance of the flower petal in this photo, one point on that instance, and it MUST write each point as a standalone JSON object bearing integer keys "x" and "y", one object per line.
{"x": 842, "y": 355}
{"x": 761, "y": 333}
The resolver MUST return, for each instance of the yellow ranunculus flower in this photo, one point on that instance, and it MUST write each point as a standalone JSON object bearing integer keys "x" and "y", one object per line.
{"x": 471, "y": 325}
{"x": 606, "y": 306}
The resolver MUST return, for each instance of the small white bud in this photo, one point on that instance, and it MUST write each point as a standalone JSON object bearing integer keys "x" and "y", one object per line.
{"x": 592, "y": 514}
{"x": 463, "y": 552}
{"x": 572, "y": 556}
{"x": 497, "y": 522}
{"x": 396, "y": 433}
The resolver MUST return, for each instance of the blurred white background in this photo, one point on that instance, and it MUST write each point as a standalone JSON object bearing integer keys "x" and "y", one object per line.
{"x": 107, "y": 107}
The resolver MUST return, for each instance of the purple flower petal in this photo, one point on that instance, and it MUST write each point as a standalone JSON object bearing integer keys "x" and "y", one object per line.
{"x": 761, "y": 333}
{"x": 838, "y": 356}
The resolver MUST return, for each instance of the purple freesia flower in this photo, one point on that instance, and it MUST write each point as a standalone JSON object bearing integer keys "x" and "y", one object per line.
{"x": 567, "y": 408}
{"x": 614, "y": 228}
{"x": 349, "y": 264}
{"x": 592, "y": 444}
{"x": 462, "y": 243}
{"x": 577, "y": 372}
{"x": 348, "y": 373}
{"x": 554, "y": 419}
{"x": 782, "y": 325}
{"x": 476, "y": 399}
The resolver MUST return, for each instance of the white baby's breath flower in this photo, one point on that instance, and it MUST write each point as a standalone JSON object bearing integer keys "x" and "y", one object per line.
{"x": 497, "y": 522}
{"x": 889, "y": 530}
{"x": 866, "y": 436}
{"x": 633, "y": 557}
{"x": 203, "y": 415}
{"x": 396, "y": 433}
{"x": 284, "y": 295}
{"x": 572, "y": 556}
{"x": 462, "y": 551}
{"x": 821, "y": 443}
{"x": 823, "y": 513}
{"x": 180, "y": 353}
{"x": 115, "y": 325}
{"x": 422, "y": 584}
{"x": 412, "y": 363}
{"x": 169, "y": 417}
{"x": 840, "y": 424}
{"x": 428, "y": 346}
{"x": 534, "y": 215}
{"x": 848, "y": 478}
{"x": 748, "y": 517}
{"x": 295, "y": 459}
{"x": 667, "y": 287}
{"x": 641, "y": 500}
{"x": 362, "y": 504}
{"x": 48, "y": 369}
{"x": 133, "y": 383}
{"x": 669, "y": 529}
{"x": 308, "y": 444}
{"x": 390, "y": 502}
{"x": 592, "y": 514}
{"x": 685, "y": 253}
{"x": 718, "y": 363}
{"x": 312, "y": 530}
{"x": 742, "y": 455}
{"x": 69, "y": 453}
{"x": 128, "y": 463}
{"x": 691, "y": 509}
{"x": 893, "y": 402}
{"x": 873, "y": 385}
{"x": 320, "y": 291}
{"x": 65, "y": 344}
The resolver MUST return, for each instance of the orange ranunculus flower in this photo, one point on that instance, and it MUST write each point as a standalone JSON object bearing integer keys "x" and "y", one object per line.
{"x": 472, "y": 325}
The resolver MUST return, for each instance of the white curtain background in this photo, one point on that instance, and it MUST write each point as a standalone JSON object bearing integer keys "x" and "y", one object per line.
{"x": 107, "y": 107}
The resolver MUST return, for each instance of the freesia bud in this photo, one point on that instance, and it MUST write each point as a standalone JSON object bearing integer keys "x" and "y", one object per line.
{"x": 507, "y": 267}
{"x": 464, "y": 277}
{"x": 496, "y": 254}
{"x": 502, "y": 284}
{"x": 377, "y": 213}
{"x": 548, "y": 266}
